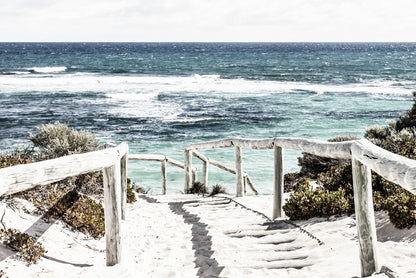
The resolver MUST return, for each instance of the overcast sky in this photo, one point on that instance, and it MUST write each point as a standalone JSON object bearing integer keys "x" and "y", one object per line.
{"x": 208, "y": 20}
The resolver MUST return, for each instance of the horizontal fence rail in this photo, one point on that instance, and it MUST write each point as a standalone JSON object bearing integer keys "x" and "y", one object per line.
{"x": 163, "y": 160}
{"x": 213, "y": 162}
{"x": 112, "y": 161}
{"x": 364, "y": 156}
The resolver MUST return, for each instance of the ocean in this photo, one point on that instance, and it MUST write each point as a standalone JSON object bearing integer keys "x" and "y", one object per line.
{"x": 159, "y": 97}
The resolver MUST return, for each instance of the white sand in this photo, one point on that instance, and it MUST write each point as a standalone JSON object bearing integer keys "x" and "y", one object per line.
{"x": 191, "y": 236}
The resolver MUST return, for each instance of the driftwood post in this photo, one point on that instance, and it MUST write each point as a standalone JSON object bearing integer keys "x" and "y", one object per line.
{"x": 188, "y": 170}
{"x": 239, "y": 171}
{"x": 164, "y": 175}
{"x": 278, "y": 182}
{"x": 364, "y": 211}
{"x": 112, "y": 212}
{"x": 205, "y": 173}
{"x": 123, "y": 172}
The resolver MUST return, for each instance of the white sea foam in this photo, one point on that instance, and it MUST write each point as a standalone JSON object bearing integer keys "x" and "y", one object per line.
{"x": 47, "y": 69}
{"x": 148, "y": 87}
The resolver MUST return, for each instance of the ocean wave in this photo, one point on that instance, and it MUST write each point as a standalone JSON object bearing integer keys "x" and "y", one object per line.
{"x": 47, "y": 69}
{"x": 145, "y": 86}
{"x": 38, "y": 70}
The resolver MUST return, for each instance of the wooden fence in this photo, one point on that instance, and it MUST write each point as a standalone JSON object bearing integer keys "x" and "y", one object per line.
{"x": 163, "y": 161}
{"x": 206, "y": 161}
{"x": 365, "y": 157}
{"x": 112, "y": 161}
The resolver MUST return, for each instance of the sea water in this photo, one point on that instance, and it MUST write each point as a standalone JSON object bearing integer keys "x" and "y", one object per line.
{"x": 160, "y": 97}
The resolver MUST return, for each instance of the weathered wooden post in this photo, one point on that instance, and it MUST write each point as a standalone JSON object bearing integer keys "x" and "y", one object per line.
{"x": 188, "y": 170}
{"x": 112, "y": 212}
{"x": 278, "y": 182}
{"x": 364, "y": 212}
{"x": 123, "y": 173}
{"x": 239, "y": 171}
{"x": 164, "y": 175}
{"x": 194, "y": 176}
{"x": 205, "y": 173}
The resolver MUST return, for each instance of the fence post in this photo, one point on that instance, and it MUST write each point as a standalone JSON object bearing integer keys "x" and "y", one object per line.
{"x": 123, "y": 172}
{"x": 278, "y": 182}
{"x": 239, "y": 171}
{"x": 188, "y": 170}
{"x": 205, "y": 173}
{"x": 364, "y": 212}
{"x": 194, "y": 176}
{"x": 164, "y": 175}
{"x": 112, "y": 213}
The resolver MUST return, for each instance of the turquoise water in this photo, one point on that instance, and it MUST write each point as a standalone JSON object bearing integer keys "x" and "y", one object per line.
{"x": 159, "y": 97}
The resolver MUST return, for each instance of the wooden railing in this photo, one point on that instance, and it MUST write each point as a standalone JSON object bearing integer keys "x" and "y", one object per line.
{"x": 163, "y": 161}
{"x": 365, "y": 157}
{"x": 205, "y": 160}
{"x": 112, "y": 161}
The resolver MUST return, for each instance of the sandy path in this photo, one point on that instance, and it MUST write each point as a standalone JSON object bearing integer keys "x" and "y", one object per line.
{"x": 193, "y": 236}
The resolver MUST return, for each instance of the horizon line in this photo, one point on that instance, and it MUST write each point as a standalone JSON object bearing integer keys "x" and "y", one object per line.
{"x": 254, "y": 42}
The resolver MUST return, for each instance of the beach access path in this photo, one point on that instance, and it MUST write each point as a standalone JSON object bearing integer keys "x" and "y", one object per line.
{"x": 196, "y": 236}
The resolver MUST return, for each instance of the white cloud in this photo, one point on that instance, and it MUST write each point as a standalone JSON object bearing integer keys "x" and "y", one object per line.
{"x": 207, "y": 20}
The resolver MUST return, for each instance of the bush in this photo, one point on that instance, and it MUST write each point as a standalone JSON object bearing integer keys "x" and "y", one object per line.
{"x": 339, "y": 176}
{"x": 336, "y": 178}
{"x": 131, "y": 197}
{"x": 15, "y": 158}
{"x": 312, "y": 165}
{"x": 80, "y": 212}
{"x": 197, "y": 188}
{"x": 56, "y": 140}
{"x": 409, "y": 119}
{"x": 401, "y": 209}
{"x": 87, "y": 216}
{"x": 306, "y": 203}
{"x": 291, "y": 180}
{"x": 27, "y": 248}
{"x": 217, "y": 189}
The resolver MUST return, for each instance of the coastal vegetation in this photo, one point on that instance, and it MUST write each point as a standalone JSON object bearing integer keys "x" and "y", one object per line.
{"x": 26, "y": 247}
{"x": 200, "y": 188}
{"x": 334, "y": 195}
{"x": 77, "y": 201}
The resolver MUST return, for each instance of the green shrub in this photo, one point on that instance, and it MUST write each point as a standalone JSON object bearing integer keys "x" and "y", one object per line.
{"x": 87, "y": 216}
{"x": 312, "y": 165}
{"x": 27, "y": 248}
{"x": 339, "y": 176}
{"x": 306, "y": 203}
{"x": 291, "y": 180}
{"x": 401, "y": 209}
{"x": 56, "y": 140}
{"x": 16, "y": 157}
{"x": 80, "y": 212}
{"x": 131, "y": 197}
{"x": 44, "y": 197}
{"x": 409, "y": 119}
{"x": 142, "y": 190}
{"x": 197, "y": 188}
{"x": 217, "y": 189}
